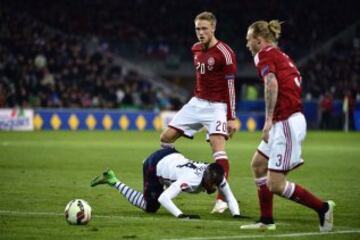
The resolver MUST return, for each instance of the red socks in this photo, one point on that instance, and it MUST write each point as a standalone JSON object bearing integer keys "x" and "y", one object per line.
{"x": 225, "y": 164}
{"x": 306, "y": 198}
{"x": 265, "y": 198}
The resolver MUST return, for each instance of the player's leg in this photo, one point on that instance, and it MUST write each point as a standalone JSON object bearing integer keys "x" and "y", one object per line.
{"x": 259, "y": 165}
{"x": 168, "y": 137}
{"x": 279, "y": 185}
{"x": 217, "y": 143}
{"x": 136, "y": 198}
{"x": 215, "y": 122}
{"x": 285, "y": 156}
{"x": 152, "y": 186}
{"x": 108, "y": 177}
{"x": 185, "y": 123}
{"x": 152, "y": 191}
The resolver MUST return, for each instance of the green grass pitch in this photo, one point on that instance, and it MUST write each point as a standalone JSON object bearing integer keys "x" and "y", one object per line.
{"x": 41, "y": 171}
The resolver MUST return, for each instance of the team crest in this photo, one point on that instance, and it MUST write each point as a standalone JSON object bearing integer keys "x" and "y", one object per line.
{"x": 211, "y": 63}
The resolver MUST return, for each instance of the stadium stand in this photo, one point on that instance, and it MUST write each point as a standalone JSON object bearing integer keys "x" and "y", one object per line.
{"x": 81, "y": 40}
{"x": 335, "y": 70}
{"x": 42, "y": 67}
{"x": 167, "y": 27}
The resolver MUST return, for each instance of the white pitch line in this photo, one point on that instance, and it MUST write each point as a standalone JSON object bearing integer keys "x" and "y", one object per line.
{"x": 146, "y": 218}
{"x": 289, "y": 235}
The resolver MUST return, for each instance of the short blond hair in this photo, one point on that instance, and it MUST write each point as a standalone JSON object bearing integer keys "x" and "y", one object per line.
{"x": 270, "y": 31}
{"x": 208, "y": 16}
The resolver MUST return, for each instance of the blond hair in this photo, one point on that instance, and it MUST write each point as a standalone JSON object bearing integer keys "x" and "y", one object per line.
{"x": 270, "y": 31}
{"x": 208, "y": 16}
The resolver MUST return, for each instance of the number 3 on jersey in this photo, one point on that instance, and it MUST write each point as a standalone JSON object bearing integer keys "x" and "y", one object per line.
{"x": 297, "y": 80}
{"x": 200, "y": 67}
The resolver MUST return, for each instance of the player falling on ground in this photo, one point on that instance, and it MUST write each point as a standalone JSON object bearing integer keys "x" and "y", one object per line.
{"x": 284, "y": 129}
{"x": 167, "y": 167}
{"x": 213, "y": 104}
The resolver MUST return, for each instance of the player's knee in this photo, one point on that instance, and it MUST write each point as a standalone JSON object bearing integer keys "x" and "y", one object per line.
{"x": 164, "y": 137}
{"x": 152, "y": 207}
{"x": 259, "y": 167}
{"x": 254, "y": 165}
{"x": 169, "y": 135}
{"x": 274, "y": 186}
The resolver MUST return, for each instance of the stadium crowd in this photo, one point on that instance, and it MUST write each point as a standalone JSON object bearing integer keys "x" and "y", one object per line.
{"x": 336, "y": 72}
{"x": 42, "y": 67}
{"x": 80, "y": 71}
{"x": 168, "y": 26}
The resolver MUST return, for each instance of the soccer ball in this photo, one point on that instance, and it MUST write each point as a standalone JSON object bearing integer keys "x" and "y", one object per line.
{"x": 78, "y": 212}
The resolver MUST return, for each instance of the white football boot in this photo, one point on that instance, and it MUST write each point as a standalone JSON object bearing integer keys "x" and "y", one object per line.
{"x": 327, "y": 220}
{"x": 220, "y": 206}
{"x": 259, "y": 226}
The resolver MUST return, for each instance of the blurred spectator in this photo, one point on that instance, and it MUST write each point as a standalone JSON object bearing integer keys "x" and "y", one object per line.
{"x": 59, "y": 55}
{"x": 336, "y": 70}
{"x": 326, "y": 110}
{"x": 41, "y": 67}
{"x": 161, "y": 29}
{"x": 348, "y": 110}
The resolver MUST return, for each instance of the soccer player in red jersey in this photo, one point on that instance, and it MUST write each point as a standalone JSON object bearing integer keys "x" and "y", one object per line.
{"x": 213, "y": 103}
{"x": 284, "y": 129}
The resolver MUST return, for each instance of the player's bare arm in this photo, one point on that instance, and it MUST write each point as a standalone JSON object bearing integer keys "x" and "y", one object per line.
{"x": 271, "y": 93}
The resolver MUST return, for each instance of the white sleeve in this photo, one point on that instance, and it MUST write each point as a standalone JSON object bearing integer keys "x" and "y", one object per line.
{"x": 229, "y": 196}
{"x": 166, "y": 197}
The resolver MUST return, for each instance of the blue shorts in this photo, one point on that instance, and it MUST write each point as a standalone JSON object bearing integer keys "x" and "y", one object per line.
{"x": 152, "y": 186}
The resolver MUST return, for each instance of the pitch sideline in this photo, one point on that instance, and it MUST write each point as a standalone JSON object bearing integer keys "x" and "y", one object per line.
{"x": 147, "y": 218}
{"x": 289, "y": 235}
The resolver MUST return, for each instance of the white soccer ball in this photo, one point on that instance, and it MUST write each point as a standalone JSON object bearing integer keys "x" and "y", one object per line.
{"x": 78, "y": 212}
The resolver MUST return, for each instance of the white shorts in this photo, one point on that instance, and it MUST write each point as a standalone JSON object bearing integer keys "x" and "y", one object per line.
{"x": 199, "y": 113}
{"x": 284, "y": 147}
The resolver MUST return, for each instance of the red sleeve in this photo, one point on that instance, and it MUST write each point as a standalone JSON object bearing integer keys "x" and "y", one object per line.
{"x": 266, "y": 64}
{"x": 230, "y": 72}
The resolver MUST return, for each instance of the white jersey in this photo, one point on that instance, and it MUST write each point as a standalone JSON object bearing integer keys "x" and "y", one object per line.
{"x": 183, "y": 175}
{"x": 186, "y": 174}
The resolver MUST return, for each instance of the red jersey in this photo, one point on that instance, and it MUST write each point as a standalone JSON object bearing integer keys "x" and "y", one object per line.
{"x": 272, "y": 59}
{"x": 215, "y": 74}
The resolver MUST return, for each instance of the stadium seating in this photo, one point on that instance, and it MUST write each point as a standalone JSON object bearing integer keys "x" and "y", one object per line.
{"x": 43, "y": 67}
{"x": 79, "y": 40}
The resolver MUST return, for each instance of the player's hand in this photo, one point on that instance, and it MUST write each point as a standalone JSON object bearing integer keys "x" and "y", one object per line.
{"x": 266, "y": 129}
{"x": 189, "y": 216}
{"x": 231, "y": 127}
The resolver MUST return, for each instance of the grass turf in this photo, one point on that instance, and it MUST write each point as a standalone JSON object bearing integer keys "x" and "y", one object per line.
{"x": 42, "y": 171}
